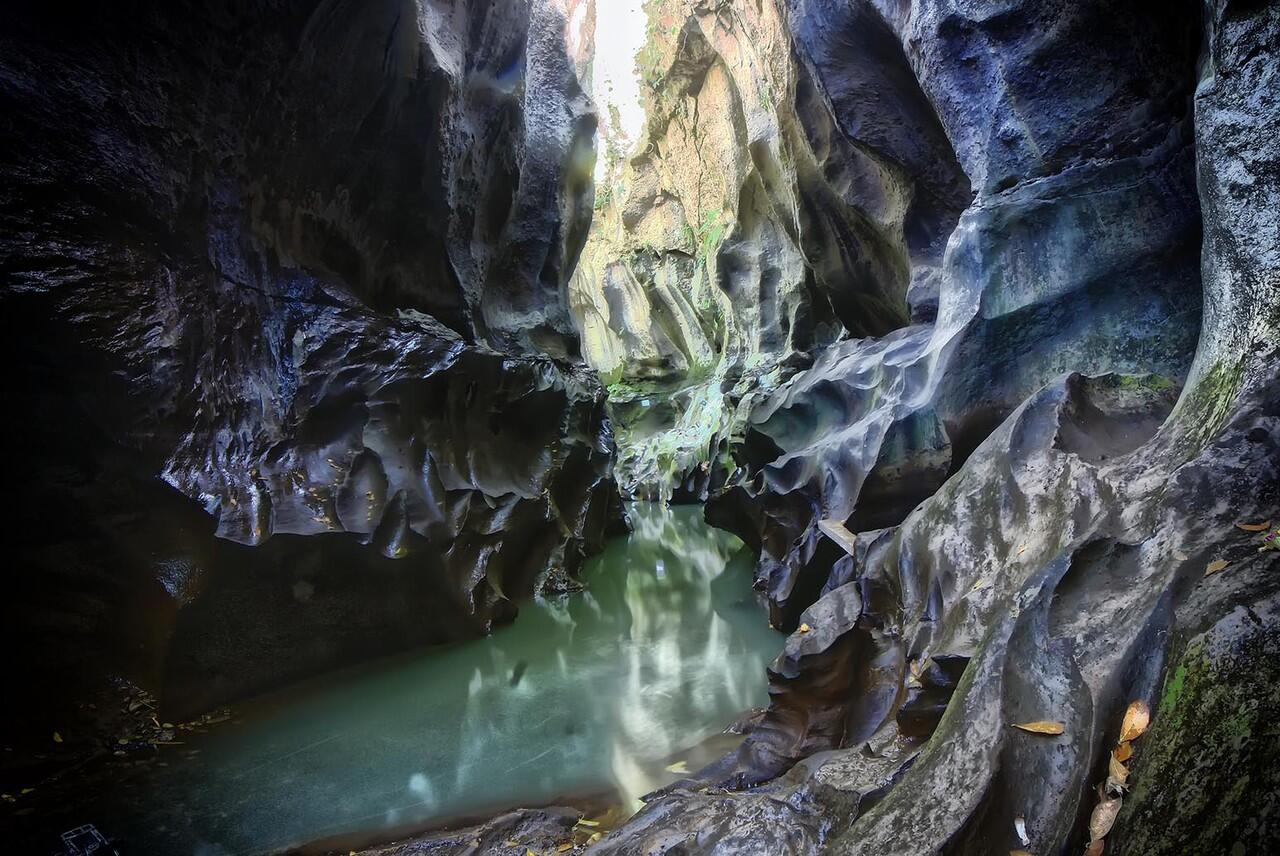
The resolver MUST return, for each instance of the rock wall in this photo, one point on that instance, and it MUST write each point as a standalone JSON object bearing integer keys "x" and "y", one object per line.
{"x": 307, "y": 261}
{"x": 750, "y": 223}
{"x": 1066, "y": 142}
{"x": 1102, "y": 544}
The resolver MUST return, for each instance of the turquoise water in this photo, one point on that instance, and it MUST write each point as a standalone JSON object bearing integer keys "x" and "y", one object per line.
{"x": 589, "y": 693}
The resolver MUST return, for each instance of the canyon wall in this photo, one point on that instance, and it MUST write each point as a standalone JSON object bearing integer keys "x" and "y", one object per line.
{"x": 1053, "y": 500}
{"x": 746, "y": 227}
{"x": 307, "y": 263}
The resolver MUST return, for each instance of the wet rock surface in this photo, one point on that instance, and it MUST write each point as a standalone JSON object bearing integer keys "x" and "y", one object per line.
{"x": 306, "y": 263}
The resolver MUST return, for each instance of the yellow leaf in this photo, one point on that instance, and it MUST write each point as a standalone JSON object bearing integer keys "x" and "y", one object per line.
{"x": 584, "y": 822}
{"x": 57, "y": 738}
{"x": 564, "y": 848}
{"x": 1136, "y": 720}
{"x": 678, "y": 767}
{"x": 1042, "y": 726}
{"x": 1019, "y": 853}
{"x": 1124, "y": 751}
{"x": 1117, "y": 774}
{"x": 1254, "y": 527}
{"x": 804, "y": 628}
{"x": 1103, "y": 818}
{"x": 1215, "y": 566}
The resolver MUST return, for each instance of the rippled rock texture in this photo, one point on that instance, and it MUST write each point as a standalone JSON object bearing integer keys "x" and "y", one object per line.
{"x": 306, "y": 261}
{"x": 1097, "y": 461}
{"x": 751, "y": 223}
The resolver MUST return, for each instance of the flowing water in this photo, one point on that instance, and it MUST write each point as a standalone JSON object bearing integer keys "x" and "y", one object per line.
{"x": 589, "y": 693}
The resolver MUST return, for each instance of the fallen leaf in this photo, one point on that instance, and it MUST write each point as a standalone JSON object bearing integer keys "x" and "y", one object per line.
{"x": 57, "y": 738}
{"x": 1020, "y": 827}
{"x": 678, "y": 767}
{"x": 1215, "y": 566}
{"x": 1019, "y": 853}
{"x": 1254, "y": 527}
{"x": 804, "y": 628}
{"x": 584, "y": 822}
{"x": 1117, "y": 774}
{"x": 1180, "y": 556}
{"x": 1103, "y": 818}
{"x": 1042, "y": 726}
{"x": 1094, "y": 848}
{"x": 1136, "y": 719}
{"x": 1124, "y": 751}
{"x": 564, "y": 848}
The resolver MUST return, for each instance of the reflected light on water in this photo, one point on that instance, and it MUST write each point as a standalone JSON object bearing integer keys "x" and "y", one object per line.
{"x": 584, "y": 694}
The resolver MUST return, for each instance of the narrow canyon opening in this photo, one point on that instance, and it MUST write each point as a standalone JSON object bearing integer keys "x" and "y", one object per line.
{"x": 778, "y": 427}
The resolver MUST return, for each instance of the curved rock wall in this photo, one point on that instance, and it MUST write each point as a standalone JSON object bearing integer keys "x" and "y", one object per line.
{"x": 1048, "y": 270}
{"x": 307, "y": 261}
{"x": 1103, "y": 544}
{"x": 750, "y": 223}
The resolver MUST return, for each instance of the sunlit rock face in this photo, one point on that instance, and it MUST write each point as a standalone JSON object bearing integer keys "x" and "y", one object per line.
{"x": 307, "y": 262}
{"x": 748, "y": 224}
{"x": 1071, "y": 563}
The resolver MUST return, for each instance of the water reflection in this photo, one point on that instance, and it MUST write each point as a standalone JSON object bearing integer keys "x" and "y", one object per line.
{"x": 583, "y": 693}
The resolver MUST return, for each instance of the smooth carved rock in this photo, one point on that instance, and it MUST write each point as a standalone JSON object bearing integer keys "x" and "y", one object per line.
{"x": 1043, "y": 273}
{"x": 1065, "y": 561}
{"x": 751, "y": 221}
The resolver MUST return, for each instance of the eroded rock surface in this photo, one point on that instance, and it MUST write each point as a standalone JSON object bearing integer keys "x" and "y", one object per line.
{"x": 751, "y": 222}
{"x": 1061, "y": 569}
{"x": 1078, "y": 253}
{"x": 307, "y": 262}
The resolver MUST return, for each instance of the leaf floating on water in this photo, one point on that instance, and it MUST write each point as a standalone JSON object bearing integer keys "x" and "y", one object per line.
{"x": 804, "y": 628}
{"x": 1136, "y": 720}
{"x": 1042, "y": 726}
{"x": 1020, "y": 827}
{"x": 1215, "y": 566}
{"x": 1124, "y": 751}
{"x": 677, "y": 767}
{"x": 1103, "y": 818}
{"x": 1254, "y": 527}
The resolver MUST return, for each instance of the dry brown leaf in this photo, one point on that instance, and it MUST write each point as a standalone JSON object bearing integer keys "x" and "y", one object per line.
{"x": 1019, "y": 853}
{"x": 1094, "y": 848}
{"x": 1136, "y": 719}
{"x": 1103, "y": 818}
{"x": 1117, "y": 774}
{"x": 564, "y": 848}
{"x": 1254, "y": 527}
{"x": 1215, "y": 566}
{"x": 1042, "y": 726}
{"x": 1124, "y": 751}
